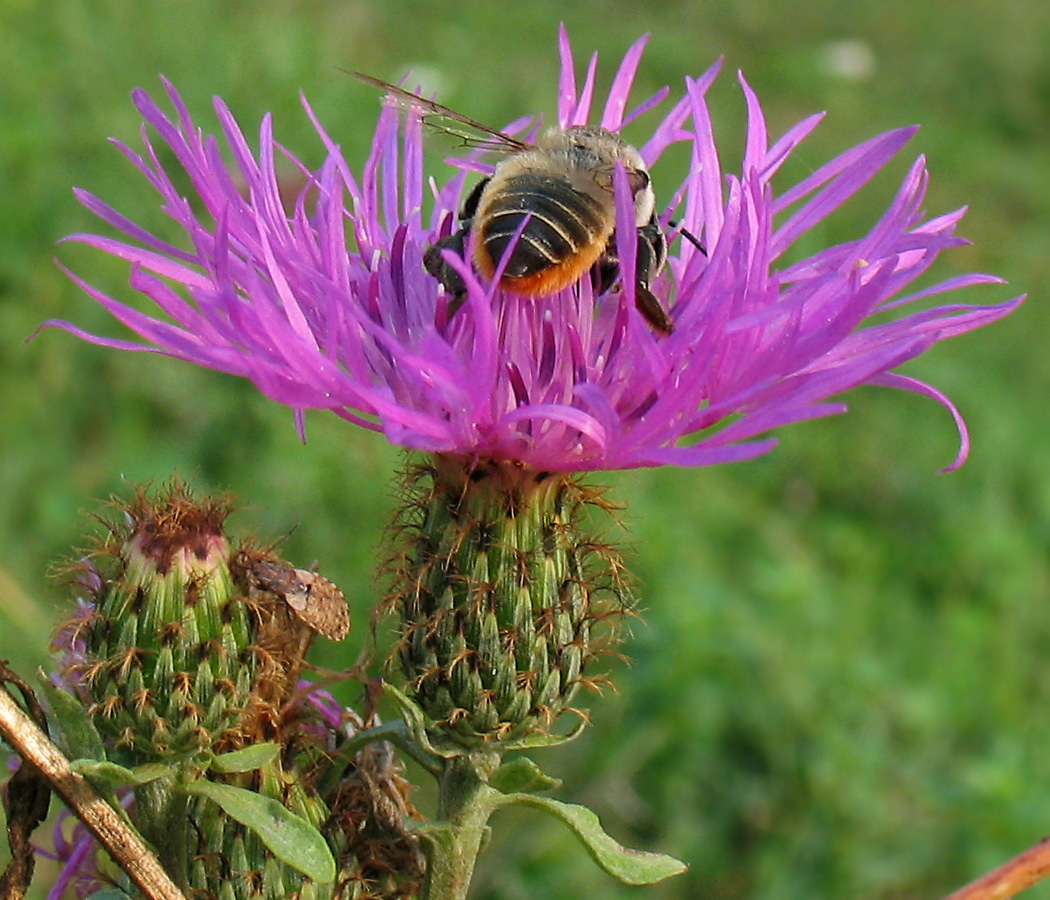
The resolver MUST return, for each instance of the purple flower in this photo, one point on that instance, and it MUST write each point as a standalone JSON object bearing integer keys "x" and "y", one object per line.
{"x": 82, "y": 868}
{"x": 329, "y": 307}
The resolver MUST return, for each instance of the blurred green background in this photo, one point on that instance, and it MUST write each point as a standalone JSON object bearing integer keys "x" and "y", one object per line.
{"x": 840, "y": 686}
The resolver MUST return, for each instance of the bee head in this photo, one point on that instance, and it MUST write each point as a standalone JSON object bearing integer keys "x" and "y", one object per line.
{"x": 597, "y": 151}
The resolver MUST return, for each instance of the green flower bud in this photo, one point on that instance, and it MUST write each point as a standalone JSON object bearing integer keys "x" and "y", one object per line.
{"x": 188, "y": 643}
{"x": 165, "y": 668}
{"x": 499, "y": 585}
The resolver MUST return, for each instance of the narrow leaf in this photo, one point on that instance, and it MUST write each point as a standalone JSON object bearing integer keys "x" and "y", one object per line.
{"x": 521, "y": 775}
{"x": 410, "y": 712}
{"x": 247, "y": 759}
{"x": 630, "y": 866}
{"x": 292, "y": 839}
{"x": 99, "y": 771}
{"x": 542, "y": 741}
{"x": 108, "y": 893}
{"x": 416, "y": 722}
{"x": 74, "y": 732}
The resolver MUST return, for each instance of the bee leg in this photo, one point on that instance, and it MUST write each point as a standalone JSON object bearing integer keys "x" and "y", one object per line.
{"x": 651, "y": 310}
{"x": 652, "y": 254}
{"x": 435, "y": 263}
{"x": 652, "y": 251}
{"x": 604, "y": 272}
{"x": 456, "y": 301}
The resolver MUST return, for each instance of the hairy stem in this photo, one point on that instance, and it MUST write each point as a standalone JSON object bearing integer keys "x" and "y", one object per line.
{"x": 465, "y": 803}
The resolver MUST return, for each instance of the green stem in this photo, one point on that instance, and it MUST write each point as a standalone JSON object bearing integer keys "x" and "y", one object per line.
{"x": 162, "y": 813}
{"x": 465, "y": 803}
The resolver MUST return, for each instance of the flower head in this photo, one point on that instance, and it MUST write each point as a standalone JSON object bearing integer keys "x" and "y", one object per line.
{"x": 329, "y": 306}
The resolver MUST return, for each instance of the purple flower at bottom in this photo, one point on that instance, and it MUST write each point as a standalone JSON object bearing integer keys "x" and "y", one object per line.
{"x": 82, "y": 867}
{"x": 329, "y": 306}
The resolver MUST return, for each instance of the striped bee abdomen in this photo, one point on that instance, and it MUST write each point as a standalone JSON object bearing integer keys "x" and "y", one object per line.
{"x": 563, "y": 237}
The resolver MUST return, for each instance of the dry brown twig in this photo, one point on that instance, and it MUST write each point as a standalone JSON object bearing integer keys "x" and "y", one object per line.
{"x": 26, "y": 798}
{"x": 120, "y": 840}
{"x": 1012, "y": 877}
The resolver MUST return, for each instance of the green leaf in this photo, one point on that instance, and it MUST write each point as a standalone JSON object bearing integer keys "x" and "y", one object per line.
{"x": 538, "y": 740}
{"x": 521, "y": 775}
{"x": 630, "y": 866}
{"x": 109, "y": 773}
{"x": 148, "y": 772}
{"x": 416, "y": 722}
{"x": 292, "y": 839}
{"x": 109, "y": 893}
{"x": 246, "y": 760}
{"x": 74, "y": 732}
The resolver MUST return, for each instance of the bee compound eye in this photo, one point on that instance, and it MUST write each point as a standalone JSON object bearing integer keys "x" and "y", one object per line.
{"x": 638, "y": 179}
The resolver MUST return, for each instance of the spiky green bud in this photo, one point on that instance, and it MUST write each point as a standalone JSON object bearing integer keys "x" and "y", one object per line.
{"x": 183, "y": 641}
{"x": 164, "y": 662}
{"x": 499, "y": 585}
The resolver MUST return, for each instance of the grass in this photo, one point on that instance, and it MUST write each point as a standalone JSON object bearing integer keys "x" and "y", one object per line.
{"x": 840, "y": 686}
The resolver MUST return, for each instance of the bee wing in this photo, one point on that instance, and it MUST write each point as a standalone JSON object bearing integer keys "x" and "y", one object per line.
{"x": 478, "y": 136}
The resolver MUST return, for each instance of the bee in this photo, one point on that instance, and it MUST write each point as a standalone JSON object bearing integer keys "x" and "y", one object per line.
{"x": 551, "y": 205}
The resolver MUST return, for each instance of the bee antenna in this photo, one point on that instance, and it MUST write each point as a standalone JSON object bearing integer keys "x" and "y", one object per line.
{"x": 689, "y": 236}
